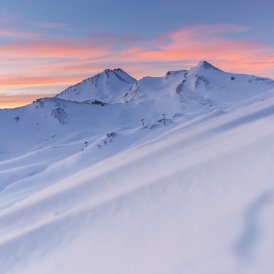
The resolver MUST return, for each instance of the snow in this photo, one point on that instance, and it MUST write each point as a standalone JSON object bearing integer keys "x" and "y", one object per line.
{"x": 107, "y": 86}
{"x": 87, "y": 188}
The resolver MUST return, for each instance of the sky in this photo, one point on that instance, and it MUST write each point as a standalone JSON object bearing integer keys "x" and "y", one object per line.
{"x": 46, "y": 46}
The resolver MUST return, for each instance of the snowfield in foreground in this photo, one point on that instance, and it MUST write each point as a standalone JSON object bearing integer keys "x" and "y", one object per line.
{"x": 85, "y": 188}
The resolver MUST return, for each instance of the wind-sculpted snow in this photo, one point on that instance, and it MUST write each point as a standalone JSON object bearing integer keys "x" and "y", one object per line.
{"x": 178, "y": 178}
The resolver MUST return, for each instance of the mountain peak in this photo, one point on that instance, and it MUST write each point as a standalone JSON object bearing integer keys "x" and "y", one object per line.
{"x": 119, "y": 73}
{"x": 205, "y": 65}
{"x": 107, "y": 70}
{"x": 106, "y": 86}
{"x": 119, "y": 70}
{"x": 173, "y": 73}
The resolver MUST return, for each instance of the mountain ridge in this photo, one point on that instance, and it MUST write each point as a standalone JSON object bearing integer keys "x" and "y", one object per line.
{"x": 133, "y": 89}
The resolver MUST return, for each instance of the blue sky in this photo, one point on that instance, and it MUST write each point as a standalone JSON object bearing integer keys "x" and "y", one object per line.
{"x": 47, "y": 45}
{"x": 150, "y": 17}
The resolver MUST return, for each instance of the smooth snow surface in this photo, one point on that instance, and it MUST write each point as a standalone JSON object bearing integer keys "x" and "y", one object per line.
{"x": 86, "y": 188}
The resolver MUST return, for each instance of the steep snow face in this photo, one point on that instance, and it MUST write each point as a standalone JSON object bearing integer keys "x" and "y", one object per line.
{"x": 108, "y": 86}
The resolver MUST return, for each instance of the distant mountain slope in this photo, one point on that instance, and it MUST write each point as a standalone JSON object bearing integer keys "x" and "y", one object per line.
{"x": 108, "y": 86}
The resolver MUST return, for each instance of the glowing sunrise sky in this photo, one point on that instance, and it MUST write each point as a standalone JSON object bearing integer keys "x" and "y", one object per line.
{"x": 46, "y": 46}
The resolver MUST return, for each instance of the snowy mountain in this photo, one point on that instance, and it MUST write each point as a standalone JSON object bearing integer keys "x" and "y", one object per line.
{"x": 167, "y": 174}
{"x": 204, "y": 83}
{"x": 108, "y": 86}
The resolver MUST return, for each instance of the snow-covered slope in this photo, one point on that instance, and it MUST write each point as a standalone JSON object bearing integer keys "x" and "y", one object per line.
{"x": 87, "y": 187}
{"x": 185, "y": 201}
{"x": 108, "y": 86}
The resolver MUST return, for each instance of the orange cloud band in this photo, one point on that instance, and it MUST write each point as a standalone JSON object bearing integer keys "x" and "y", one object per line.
{"x": 17, "y": 100}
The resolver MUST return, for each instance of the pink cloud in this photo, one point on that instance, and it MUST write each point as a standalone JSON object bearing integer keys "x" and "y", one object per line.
{"x": 10, "y": 82}
{"x": 53, "y": 49}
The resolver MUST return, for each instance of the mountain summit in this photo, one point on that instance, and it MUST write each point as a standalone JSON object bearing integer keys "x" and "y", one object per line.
{"x": 107, "y": 86}
{"x": 206, "y": 65}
